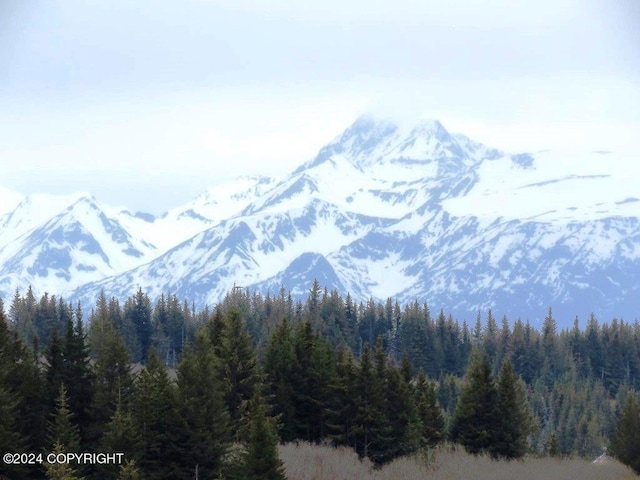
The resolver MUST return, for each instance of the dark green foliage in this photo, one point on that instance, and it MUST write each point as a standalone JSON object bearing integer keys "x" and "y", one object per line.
{"x": 447, "y": 393}
{"x": 121, "y": 435}
{"x": 137, "y": 311}
{"x": 371, "y": 427}
{"x": 169, "y": 329}
{"x": 402, "y": 415}
{"x": 261, "y": 461}
{"x": 236, "y": 366}
{"x": 513, "y": 414}
{"x": 215, "y": 329}
{"x": 60, "y": 471}
{"x": 374, "y": 322}
{"x": 279, "y": 363}
{"x": 54, "y": 373}
{"x": 626, "y": 442}
{"x": 351, "y": 319}
{"x": 313, "y": 305}
{"x": 476, "y": 420}
{"x": 551, "y": 447}
{"x": 77, "y": 375}
{"x": 155, "y": 411}
{"x": 11, "y": 439}
{"x": 341, "y": 409}
{"x": 414, "y": 342}
{"x": 62, "y": 429}
{"x": 129, "y": 471}
{"x": 430, "y": 420}
{"x": 206, "y": 431}
{"x": 310, "y": 375}
{"x": 321, "y": 380}
{"x": 22, "y": 407}
{"x": 113, "y": 380}
{"x": 46, "y": 318}
{"x": 21, "y": 313}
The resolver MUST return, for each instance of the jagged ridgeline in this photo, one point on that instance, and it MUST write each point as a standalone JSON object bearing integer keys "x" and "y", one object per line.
{"x": 388, "y": 208}
{"x": 178, "y": 388}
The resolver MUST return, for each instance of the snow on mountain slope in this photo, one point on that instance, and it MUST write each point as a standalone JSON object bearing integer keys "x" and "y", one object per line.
{"x": 512, "y": 266}
{"x": 390, "y": 209}
{"x": 245, "y": 250}
{"x": 32, "y": 211}
{"x": 8, "y": 200}
{"x": 79, "y": 244}
{"x": 181, "y": 223}
{"x": 551, "y": 186}
{"x": 378, "y": 168}
{"x": 395, "y": 152}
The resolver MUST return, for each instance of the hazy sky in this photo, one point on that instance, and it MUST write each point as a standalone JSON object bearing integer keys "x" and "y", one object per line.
{"x": 146, "y": 103}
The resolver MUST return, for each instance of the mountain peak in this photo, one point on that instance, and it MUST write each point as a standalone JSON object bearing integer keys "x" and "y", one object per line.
{"x": 9, "y": 199}
{"x": 402, "y": 125}
{"x": 373, "y": 142}
{"x": 369, "y": 129}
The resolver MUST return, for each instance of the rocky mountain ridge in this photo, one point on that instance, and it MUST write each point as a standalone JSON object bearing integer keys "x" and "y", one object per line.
{"x": 410, "y": 211}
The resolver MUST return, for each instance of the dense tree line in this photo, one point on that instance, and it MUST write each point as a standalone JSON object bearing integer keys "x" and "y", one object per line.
{"x": 207, "y": 418}
{"x": 178, "y": 389}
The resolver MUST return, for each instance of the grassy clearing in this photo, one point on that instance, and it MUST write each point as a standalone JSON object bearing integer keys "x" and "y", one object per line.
{"x": 316, "y": 462}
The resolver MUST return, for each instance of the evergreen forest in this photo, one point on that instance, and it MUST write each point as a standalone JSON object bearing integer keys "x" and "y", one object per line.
{"x": 210, "y": 393}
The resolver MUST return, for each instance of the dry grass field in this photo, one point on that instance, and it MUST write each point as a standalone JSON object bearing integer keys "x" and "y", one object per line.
{"x": 313, "y": 462}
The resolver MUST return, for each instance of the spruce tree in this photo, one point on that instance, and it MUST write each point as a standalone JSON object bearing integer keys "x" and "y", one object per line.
{"x": 322, "y": 374}
{"x": 121, "y": 435}
{"x": 10, "y": 438}
{"x": 21, "y": 313}
{"x": 402, "y": 415}
{"x": 429, "y": 414}
{"x": 342, "y": 407}
{"x": 626, "y": 442}
{"x": 23, "y": 392}
{"x": 313, "y": 305}
{"x": 261, "y": 461}
{"x": 54, "y": 371}
{"x": 279, "y": 363}
{"x": 77, "y": 375}
{"x": 114, "y": 382}
{"x": 59, "y": 470}
{"x": 476, "y": 418}
{"x": 307, "y": 386}
{"x": 371, "y": 428}
{"x": 215, "y": 328}
{"x": 129, "y": 471}
{"x": 155, "y": 411}
{"x": 514, "y": 415}
{"x": 62, "y": 428}
{"x": 236, "y": 367}
{"x": 206, "y": 435}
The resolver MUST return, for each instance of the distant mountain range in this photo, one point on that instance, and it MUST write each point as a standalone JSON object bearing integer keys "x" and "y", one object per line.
{"x": 386, "y": 209}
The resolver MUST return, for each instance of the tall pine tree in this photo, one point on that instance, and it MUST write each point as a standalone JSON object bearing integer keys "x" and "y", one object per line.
{"x": 476, "y": 418}
{"x": 236, "y": 366}
{"x": 514, "y": 415}
{"x": 206, "y": 435}
{"x": 626, "y": 442}
{"x": 261, "y": 459}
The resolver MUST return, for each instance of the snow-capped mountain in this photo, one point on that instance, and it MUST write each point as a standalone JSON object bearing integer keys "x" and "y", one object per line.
{"x": 8, "y": 200}
{"x": 209, "y": 208}
{"x": 57, "y": 243}
{"x": 78, "y": 244}
{"x": 391, "y": 209}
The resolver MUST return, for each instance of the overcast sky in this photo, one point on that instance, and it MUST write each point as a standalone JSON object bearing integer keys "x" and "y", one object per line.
{"x": 146, "y": 103}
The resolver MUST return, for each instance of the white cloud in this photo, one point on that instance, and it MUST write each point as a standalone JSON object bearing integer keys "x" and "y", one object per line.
{"x": 156, "y": 100}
